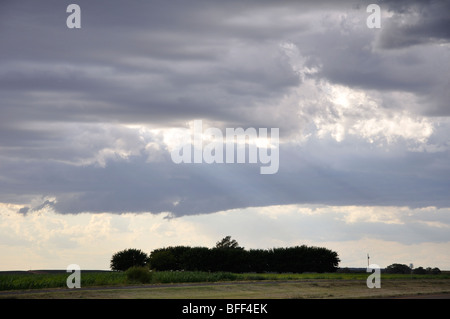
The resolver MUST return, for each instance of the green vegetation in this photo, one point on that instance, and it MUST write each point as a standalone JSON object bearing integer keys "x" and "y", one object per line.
{"x": 139, "y": 274}
{"x": 226, "y": 262}
{"x": 403, "y": 269}
{"x": 259, "y": 286}
{"x": 58, "y": 280}
{"x": 127, "y": 258}
{"x": 227, "y": 256}
{"x": 227, "y": 242}
{"x": 116, "y": 278}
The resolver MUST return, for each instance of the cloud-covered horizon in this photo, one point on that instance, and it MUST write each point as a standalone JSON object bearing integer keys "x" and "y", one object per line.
{"x": 47, "y": 240}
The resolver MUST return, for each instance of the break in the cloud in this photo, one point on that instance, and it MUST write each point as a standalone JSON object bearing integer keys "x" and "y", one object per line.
{"x": 89, "y": 116}
{"x": 410, "y": 234}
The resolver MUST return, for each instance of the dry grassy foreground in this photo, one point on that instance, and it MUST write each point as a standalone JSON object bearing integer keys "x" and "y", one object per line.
{"x": 293, "y": 289}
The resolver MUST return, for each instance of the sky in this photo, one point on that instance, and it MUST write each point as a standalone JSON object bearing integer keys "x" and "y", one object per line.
{"x": 90, "y": 117}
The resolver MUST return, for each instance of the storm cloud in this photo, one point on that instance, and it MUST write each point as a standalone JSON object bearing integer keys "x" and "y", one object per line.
{"x": 87, "y": 114}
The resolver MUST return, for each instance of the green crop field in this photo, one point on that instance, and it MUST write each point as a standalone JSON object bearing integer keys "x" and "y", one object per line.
{"x": 89, "y": 279}
{"x": 169, "y": 284}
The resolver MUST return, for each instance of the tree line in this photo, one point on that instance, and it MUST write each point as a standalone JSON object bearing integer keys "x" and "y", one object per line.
{"x": 228, "y": 256}
{"x": 404, "y": 269}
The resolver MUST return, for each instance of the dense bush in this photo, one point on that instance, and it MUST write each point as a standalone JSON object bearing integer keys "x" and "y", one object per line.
{"x": 404, "y": 269}
{"x": 139, "y": 274}
{"x": 433, "y": 271}
{"x": 398, "y": 269}
{"x": 428, "y": 271}
{"x": 168, "y": 259}
{"x": 293, "y": 259}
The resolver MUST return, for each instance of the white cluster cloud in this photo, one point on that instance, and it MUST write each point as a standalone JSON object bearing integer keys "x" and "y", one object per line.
{"x": 338, "y": 111}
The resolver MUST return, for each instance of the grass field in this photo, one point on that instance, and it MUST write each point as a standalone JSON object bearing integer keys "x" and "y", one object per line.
{"x": 57, "y": 279}
{"x": 193, "y": 285}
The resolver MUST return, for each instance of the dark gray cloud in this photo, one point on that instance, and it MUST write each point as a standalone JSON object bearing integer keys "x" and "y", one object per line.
{"x": 66, "y": 96}
{"x": 150, "y": 62}
{"x": 305, "y": 176}
{"x": 407, "y": 54}
{"x": 416, "y": 22}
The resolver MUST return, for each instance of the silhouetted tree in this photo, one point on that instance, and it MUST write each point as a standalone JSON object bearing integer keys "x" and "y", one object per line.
{"x": 228, "y": 256}
{"x": 227, "y": 242}
{"x": 419, "y": 271}
{"x": 398, "y": 269}
{"x": 433, "y": 271}
{"x": 128, "y": 258}
{"x": 169, "y": 258}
